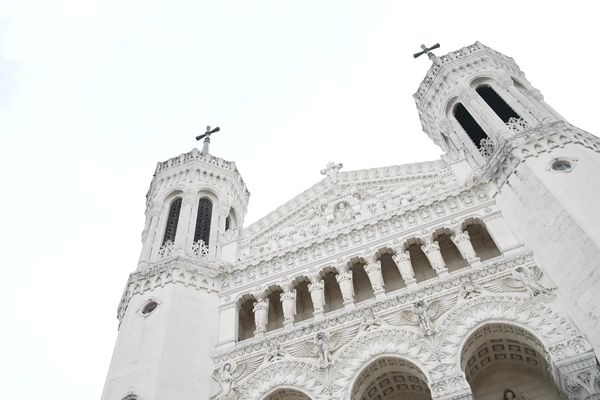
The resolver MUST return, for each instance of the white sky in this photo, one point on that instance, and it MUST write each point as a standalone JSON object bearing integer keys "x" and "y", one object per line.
{"x": 93, "y": 93}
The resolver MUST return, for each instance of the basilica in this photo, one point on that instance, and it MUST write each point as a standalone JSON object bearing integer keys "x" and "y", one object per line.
{"x": 474, "y": 276}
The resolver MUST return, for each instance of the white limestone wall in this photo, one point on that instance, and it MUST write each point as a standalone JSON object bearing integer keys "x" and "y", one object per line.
{"x": 557, "y": 215}
{"x": 165, "y": 355}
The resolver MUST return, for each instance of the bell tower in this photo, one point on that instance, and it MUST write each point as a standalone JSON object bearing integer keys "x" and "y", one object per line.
{"x": 169, "y": 313}
{"x": 496, "y": 129}
{"x": 474, "y": 99}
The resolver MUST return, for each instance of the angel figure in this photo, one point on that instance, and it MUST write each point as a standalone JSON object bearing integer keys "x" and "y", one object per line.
{"x": 323, "y": 346}
{"x": 226, "y": 379}
{"x": 421, "y": 310}
{"x": 423, "y": 313}
{"x": 229, "y": 374}
{"x": 521, "y": 279}
{"x": 529, "y": 278}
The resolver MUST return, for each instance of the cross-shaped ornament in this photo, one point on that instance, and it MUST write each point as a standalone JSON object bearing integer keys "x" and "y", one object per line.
{"x": 427, "y": 50}
{"x": 206, "y": 136}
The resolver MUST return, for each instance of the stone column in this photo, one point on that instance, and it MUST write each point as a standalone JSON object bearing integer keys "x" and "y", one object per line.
{"x": 149, "y": 234}
{"x": 344, "y": 279}
{"x": 317, "y": 295}
{"x": 402, "y": 260}
{"x": 462, "y": 240}
{"x": 182, "y": 226}
{"x": 288, "y": 303}
{"x": 373, "y": 270}
{"x": 261, "y": 314}
{"x": 580, "y": 377}
{"x": 491, "y": 122}
{"x": 432, "y": 251}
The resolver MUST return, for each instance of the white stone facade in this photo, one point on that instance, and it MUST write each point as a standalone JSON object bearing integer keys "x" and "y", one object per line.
{"x": 474, "y": 276}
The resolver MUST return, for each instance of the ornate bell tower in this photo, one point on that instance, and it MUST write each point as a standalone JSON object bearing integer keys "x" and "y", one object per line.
{"x": 169, "y": 314}
{"x": 495, "y": 129}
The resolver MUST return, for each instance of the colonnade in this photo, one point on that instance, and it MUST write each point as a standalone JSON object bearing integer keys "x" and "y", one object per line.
{"x": 282, "y": 304}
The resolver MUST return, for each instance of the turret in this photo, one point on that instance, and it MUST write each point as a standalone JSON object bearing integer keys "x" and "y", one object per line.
{"x": 475, "y": 98}
{"x": 196, "y": 203}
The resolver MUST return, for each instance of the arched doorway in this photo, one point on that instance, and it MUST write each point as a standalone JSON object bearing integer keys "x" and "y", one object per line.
{"x": 502, "y": 361}
{"x": 391, "y": 378}
{"x": 287, "y": 394}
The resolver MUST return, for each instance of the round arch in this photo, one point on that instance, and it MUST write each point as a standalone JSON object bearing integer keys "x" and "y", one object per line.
{"x": 390, "y": 376}
{"x": 558, "y": 337}
{"x": 500, "y": 359}
{"x": 303, "y": 377}
{"x": 287, "y": 393}
{"x": 385, "y": 342}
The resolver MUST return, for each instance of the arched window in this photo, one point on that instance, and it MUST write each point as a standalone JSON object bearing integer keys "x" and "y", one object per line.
{"x": 468, "y": 123}
{"x": 496, "y": 103}
{"x": 171, "y": 229}
{"x": 203, "y": 220}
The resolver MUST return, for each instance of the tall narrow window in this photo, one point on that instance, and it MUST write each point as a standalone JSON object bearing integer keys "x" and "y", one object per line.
{"x": 203, "y": 220}
{"x": 496, "y": 103}
{"x": 171, "y": 229}
{"x": 468, "y": 123}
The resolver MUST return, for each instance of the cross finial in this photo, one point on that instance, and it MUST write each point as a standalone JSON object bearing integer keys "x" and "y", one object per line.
{"x": 206, "y": 136}
{"x": 427, "y": 50}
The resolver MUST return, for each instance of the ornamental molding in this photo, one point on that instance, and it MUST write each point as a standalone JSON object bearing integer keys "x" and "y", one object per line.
{"x": 332, "y": 205}
{"x": 175, "y": 270}
{"x": 532, "y": 143}
{"x": 212, "y": 171}
{"x": 437, "y": 357}
{"x": 451, "y": 284}
{"x": 447, "y": 208}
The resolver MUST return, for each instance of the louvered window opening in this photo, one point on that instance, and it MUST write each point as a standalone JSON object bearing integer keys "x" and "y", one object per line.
{"x": 172, "y": 221}
{"x": 203, "y": 220}
{"x": 468, "y": 123}
{"x": 497, "y": 103}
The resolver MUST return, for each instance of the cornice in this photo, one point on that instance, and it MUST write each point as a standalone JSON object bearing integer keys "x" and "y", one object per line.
{"x": 198, "y": 274}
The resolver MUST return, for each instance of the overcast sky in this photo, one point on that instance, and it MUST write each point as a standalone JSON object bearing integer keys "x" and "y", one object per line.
{"x": 94, "y": 93}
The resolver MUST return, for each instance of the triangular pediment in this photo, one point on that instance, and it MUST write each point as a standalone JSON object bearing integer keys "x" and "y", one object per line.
{"x": 342, "y": 200}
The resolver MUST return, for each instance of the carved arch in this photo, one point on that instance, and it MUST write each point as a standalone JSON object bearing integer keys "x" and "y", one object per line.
{"x": 384, "y": 342}
{"x": 288, "y": 387}
{"x": 551, "y": 329}
{"x": 298, "y": 375}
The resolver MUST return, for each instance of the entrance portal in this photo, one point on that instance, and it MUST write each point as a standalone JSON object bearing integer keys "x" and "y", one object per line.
{"x": 391, "y": 378}
{"x": 503, "y": 361}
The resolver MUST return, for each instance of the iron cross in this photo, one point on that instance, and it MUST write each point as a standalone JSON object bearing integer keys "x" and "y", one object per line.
{"x": 206, "y": 136}
{"x": 427, "y": 50}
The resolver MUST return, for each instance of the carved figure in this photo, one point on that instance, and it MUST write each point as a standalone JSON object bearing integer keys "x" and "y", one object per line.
{"x": 331, "y": 170}
{"x": 316, "y": 294}
{"x": 275, "y": 353}
{"x": 261, "y": 313}
{"x": 521, "y": 279}
{"x": 421, "y": 310}
{"x": 228, "y": 375}
{"x": 373, "y": 271}
{"x": 344, "y": 279}
{"x": 530, "y": 280}
{"x": 288, "y": 303}
{"x": 323, "y": 346}
{"x": 423, "y": 313}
